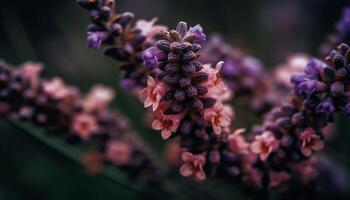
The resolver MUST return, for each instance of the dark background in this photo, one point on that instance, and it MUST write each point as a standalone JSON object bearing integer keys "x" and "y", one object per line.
{"x": 53, "y": 32}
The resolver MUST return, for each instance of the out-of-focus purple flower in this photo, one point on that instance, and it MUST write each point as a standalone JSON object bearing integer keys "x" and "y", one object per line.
{"x": 325, "y": 110}
{"x": 95, "y": 39}
{"x": 230, "y": 68}
{"x": 150, "y": 57}
{"x": 198, "y": 32}
{"x": 253, "y": 65}
{"x": 343, "y": 25}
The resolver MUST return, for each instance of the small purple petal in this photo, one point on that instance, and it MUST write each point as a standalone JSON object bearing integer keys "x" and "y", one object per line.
{"x": 325, "y": 109}
{"x": 198, "y": 32}
{"x": 150, "y": 57}
{"x": 95, "y": 39}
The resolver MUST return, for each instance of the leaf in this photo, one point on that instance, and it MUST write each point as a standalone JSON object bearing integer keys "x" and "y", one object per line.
{"x": 109, "y": 173}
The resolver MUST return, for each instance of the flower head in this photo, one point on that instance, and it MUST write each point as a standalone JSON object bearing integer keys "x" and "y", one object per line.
{"x": 310, "y": 141}
{"x": 98, "y": 98}
{"x": 118, "y": 152}
{"x": 167, "y": 124}
{"x": 148, "y": 29}
{"x": 95, "y": 39}
{"x": 237, "y": 142}
{"x": 84, "y": 125}
{"x": 150, "y": 57}
{"x": 55, "y": 88}
{"x": 198, "y": 32}
{"x": 153, "y": 93}
{"x": 193, "y": 165}
{"x": 264, "y": 145}
{"x": 31, "y": 72}
{"x": 219, "y": 116}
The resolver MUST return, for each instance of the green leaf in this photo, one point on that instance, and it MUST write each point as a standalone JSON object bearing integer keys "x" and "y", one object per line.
{"x": 109, "y": 173}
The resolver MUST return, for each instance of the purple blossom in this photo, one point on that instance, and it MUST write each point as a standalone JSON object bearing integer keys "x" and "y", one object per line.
{"x": 150, "y": 57}
{"x": 344, "y": 24}
{"x": 253, "y": 66}
{"x": 230, "y": 68}
{"x": 95, "y": 39}
{"x": 308, "y": 87}
{"x": 314, "y": 68}
{"x": 198, "y": 32}
{"x": 325, "y": 110}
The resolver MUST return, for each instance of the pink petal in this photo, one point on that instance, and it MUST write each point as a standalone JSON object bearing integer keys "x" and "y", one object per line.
{"x": 200, "y": 175}
{"x": 186, "y": 169}
{"x": 166, "y": 134}
{"x": 157, "y": 124}
{"x": 187, "y": 156}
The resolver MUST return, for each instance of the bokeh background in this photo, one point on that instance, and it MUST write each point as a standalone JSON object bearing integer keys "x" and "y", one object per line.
{"x": 53, "y": 32}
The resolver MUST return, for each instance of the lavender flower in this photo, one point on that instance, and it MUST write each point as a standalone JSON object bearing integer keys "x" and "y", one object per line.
{"x": 59, "y": 108}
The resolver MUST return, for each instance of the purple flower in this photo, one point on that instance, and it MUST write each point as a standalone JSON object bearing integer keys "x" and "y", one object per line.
{"x": 253, "y": 66}
{"x": 308, "y": 87}
{"x": 325, "y": 109}
{"x": 230, "y": 68}
{"x": 150, "y": 57}
{"x": 198, "y": 32}
{"x": 314, "y": 68}
{"x": 344, "y": 24}
{"x": 95, "y": 39}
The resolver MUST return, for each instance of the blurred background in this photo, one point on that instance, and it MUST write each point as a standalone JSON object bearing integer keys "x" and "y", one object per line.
{"x": 53, "y": 32}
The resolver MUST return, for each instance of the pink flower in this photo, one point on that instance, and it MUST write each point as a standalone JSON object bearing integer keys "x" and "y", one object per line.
{"x": 219, "y": 116}
{"x": 98, "y": 99}
{"x": 31, "y": 72}
{"x": 193, "y": 165}
{"x": 55, "y": 88}
{"x": 153, "y": 93}
{"x": 310, "y": 141}
{"x": 237, "y": 142}
{"x": 148, "y": 28}
{"x": 264, "y": 145}
{"x": 216, "y": 86}
{"x": 118, "y": 152}
{"x": 84, "y": 125}
{"x": 278, "y": 178}
{"x": 167, "y": 124}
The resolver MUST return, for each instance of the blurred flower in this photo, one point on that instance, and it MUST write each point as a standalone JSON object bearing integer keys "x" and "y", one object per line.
{"x": 237, "y": 142}
{"x": 310, "y": 141}
{"x": 264, "y": 145}
{"x": 98, "y": 98}
{"x": 148, "y": 29}
{"x": 84, "y": 125}
{"x": 118, "y": 152}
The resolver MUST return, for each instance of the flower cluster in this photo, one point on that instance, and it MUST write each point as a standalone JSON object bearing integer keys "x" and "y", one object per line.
{"x": 61, "y": 109}
{"x": 187, "y": 98}
{"x": 124, "y": 40}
